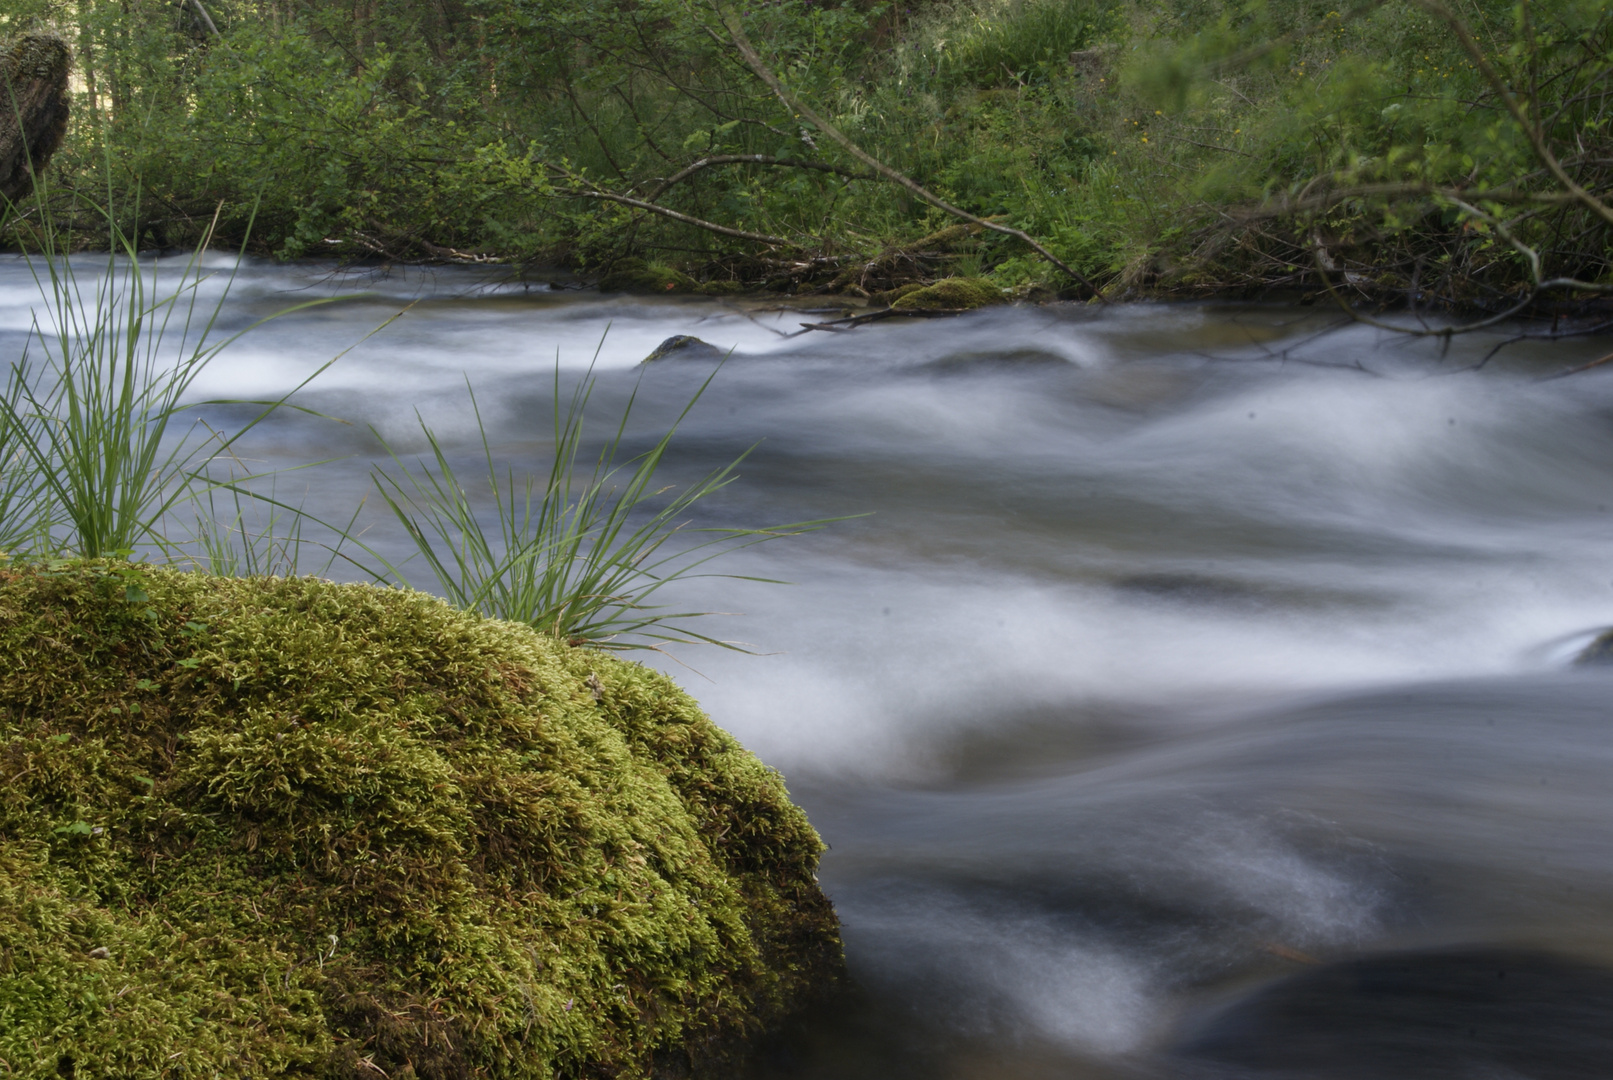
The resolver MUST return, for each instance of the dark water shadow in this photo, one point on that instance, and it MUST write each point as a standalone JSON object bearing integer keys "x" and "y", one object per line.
{"x": 1450, "y": 1014}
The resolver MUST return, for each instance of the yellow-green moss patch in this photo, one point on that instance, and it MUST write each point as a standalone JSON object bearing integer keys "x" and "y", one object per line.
{"x": 950, "y": 294}
{"x": 271, "y": 827}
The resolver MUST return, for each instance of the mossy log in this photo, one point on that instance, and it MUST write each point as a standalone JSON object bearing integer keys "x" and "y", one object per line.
{"x": 282, "y": 827}
{"x": 33, "y": 108}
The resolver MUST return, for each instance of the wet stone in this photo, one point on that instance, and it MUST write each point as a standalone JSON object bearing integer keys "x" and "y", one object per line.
{"x": 1599, "y": 653}
{"x": 683, "y": 347}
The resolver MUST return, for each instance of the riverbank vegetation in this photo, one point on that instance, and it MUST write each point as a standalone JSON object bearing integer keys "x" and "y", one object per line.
{"x": 1407, "y": 152}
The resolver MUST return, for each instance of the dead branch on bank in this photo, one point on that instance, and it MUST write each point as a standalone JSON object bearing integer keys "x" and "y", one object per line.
{"x": 675, "y": 215}
{"x": 751, "y": 159}
{"x": 889, "y": 260}
{"x": 799, "y": 108}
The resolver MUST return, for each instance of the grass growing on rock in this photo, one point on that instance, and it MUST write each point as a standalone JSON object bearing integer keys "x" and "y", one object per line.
{"x": 281, "y": 827}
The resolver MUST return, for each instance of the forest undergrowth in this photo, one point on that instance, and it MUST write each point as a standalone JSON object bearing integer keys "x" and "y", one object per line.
{"x": 1392, "y": 154}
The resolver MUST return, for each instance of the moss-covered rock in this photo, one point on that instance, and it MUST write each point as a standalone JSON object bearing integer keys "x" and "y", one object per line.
{"x": 950, "y": 294}
{"x": 1599, "y": 653}
{"x": 890, "y": 296}
{"x": 272, "y": 827}
{"x": 683, "y": 347}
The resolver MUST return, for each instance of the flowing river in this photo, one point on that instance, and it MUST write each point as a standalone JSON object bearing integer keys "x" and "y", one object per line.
{"x": 1194, "y": 699}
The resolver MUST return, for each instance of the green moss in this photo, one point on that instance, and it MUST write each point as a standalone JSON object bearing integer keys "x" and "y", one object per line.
{"x": 950, "y": 294}
{"x": 890, "y": 296}
{"x": 281, "y": 827}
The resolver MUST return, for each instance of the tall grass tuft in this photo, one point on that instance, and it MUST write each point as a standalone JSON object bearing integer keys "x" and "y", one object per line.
{"x": 91, "y": 414}
{"x": 579, "y": 553}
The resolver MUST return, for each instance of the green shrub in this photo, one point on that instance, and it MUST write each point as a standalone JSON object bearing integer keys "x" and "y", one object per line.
{"x": 990, "y": 43}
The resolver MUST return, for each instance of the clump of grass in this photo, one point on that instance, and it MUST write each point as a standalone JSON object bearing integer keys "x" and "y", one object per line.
{"x": 91, "y": 418}
{"x": 579, "y": 554}
{"x": 22, "y": 528}
{"x": 989, "y": 43}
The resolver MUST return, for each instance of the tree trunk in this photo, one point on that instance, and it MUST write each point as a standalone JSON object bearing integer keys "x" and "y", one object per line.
{"x": 33, "y": 108}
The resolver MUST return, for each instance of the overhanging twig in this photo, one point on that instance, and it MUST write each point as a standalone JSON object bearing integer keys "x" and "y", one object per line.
{"x": 750, "y": 159}
{"x": 1531, "y": 128}
{"x": 687, "y": 219}
{"x": 799, "y": 108}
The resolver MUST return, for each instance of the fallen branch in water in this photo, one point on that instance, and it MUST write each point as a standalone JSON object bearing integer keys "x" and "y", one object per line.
{"x": 1598, "y": 362}
{"x": 852, "y": 321}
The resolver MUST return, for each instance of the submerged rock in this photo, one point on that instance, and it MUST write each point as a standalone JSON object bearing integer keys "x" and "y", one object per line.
{"x": 684, "y": 347}
{"x": 950, "y": 294}
{"x": 1599, "y": 653}
{"x": 276, "y": 827}
{"x": 33, "y": 108}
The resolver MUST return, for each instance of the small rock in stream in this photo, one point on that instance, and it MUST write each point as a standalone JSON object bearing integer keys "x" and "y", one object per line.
{"x": 684, "y": 347}
{"x": 1599, "y": 653}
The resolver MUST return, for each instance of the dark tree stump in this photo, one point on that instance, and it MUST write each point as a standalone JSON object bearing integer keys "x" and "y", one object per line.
{"x": 33, "y": 108}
